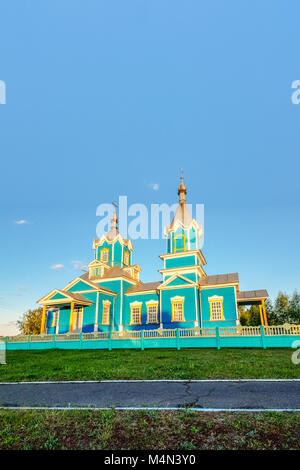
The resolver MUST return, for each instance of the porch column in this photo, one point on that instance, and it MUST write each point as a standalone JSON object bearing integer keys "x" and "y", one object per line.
{"x": 264, "y": 312}
{"x": 43, "y": 323}
{"x": 261, "y": 315}
{"x": 71, "y": 317}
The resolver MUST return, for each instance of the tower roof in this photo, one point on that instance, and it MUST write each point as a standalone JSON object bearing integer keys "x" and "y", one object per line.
{"x": 113, "y": 232}
{"x": 182, "y": 213}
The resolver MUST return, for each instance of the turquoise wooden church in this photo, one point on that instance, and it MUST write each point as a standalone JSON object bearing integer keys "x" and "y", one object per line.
{"x": 111, "y": 296}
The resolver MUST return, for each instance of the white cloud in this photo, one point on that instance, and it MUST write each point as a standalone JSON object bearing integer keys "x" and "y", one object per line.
{"x": 154, "y": 186}
{"x": 79, "y": 265}
{"x": 57, "y": 266}
{"x": 21, "y": 222}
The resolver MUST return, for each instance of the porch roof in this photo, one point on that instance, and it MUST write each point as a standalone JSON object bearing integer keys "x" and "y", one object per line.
{"x": 66, "y": 298}
{"x": 249, "y": 297}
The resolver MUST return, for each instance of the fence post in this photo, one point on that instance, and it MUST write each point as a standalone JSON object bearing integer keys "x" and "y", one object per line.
{"x": 218, "y": 338}
{"x": 28, "y": 341}
{"x": 109, "y": 340}
{"x": 263, "y": 338}
{"x": 54, "y": 341}
{"x": 142, "y": 340}
{"x": 80, "y": 340}
{"x": 177, "y": 339}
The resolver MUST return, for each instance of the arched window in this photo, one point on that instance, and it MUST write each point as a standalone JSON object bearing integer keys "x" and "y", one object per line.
{"x": 104, "y": 255}
{"x": 135, "y": 313}
{"x": 106, "y": 312}
{"x": 126, "y": 258}
{"x": 177, "y": 308}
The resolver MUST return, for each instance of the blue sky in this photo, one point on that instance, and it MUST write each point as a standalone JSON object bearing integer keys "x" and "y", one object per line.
{"x": 105, "y": 98}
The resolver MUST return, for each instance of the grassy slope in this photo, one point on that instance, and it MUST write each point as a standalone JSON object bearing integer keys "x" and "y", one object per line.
{"x": 149, "y": 364}
{"x": 148, "y": 430}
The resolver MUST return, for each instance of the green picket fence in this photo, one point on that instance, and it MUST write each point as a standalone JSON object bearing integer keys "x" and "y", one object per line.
{"x": 254, "y": 336}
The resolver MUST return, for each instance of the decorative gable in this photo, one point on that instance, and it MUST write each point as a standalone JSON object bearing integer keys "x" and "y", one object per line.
{"x": 80, "y": 286}
{"x": 177, "y": 280}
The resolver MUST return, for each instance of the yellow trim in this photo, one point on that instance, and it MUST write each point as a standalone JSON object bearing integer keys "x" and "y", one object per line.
{"x": 54, "y": 322}
{"x": 99, "y": 241}
{"x": 71, "y": 317}
{"x": 142, "y": 292}
{"x": 174, "y": 301}
{"x": 265, "y": 315}
{"x": 128, "y": 255}
{"x": 140, "y": 308}
{"x": 106, "y": 303}
{"x": 261, "y": 315}
{"x": 101, "y": 251}
{"x": 152, "y": 304}
{"x": 43, "y": 324}
{"x": 183, "y": 253}
{"x": 181, "y": 235}
{"x": 175, "y": 276}
{"x": 182, "y": 286}
{"x": 211, "y": 301}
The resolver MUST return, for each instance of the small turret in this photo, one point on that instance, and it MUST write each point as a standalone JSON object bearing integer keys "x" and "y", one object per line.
{"x": 112, "y": 249}
{"x": 183, "y": 233}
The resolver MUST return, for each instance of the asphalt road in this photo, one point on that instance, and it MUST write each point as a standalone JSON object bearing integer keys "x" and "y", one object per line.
{"x": 219, "y": 395}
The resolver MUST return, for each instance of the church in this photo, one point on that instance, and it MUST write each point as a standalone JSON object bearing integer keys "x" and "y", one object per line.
{"x": 111, "y": 296}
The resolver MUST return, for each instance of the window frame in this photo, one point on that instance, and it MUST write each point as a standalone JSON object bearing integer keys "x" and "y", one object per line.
{"x": 106, "y": 304}
{"x": 177, "y": 300}
{"x": 102, "y": 251}
{"x": 78, "y": 313}
{"x": 149, "y": 305}
{"x": 126, "y": 253}
{"x": 134, "y": 305}
{"x": 54, "y": 318}
{"x": 180, "y": 235}
{"x": 216, "y": 300}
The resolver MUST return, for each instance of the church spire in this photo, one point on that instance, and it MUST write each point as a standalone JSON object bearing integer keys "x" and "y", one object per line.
{"x": 113, "y": 232}
{"x": 181, "y": 191}
{"x": 182, "y": 213}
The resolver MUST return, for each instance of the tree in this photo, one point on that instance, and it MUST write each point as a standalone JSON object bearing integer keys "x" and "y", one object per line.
{"x": 294, "y": 308}
{"x": 249, "y": 316}
{"x": 281, "y": 308}
{"x": 30, "y": 323}
{"x": 271, "y": 315}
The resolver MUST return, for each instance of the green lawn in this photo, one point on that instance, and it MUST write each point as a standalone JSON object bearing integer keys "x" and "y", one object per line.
{"x": 148, "y": 364}
{"x": 154, "y": 430}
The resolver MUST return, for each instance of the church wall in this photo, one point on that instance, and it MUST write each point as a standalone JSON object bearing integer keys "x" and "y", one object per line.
{"x": 118, "y": 253}
{"x": 180, "y": 262}
{"x": 139, "y": 298}
{"x": 64, "y": 320}
{"x": 189, "y": 307}
{"x": 112, "y": 301}
{"x": 229, "y": 306}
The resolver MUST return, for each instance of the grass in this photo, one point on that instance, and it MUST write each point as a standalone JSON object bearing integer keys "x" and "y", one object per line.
{"x": 172, "y": 430}
{"x": 148, "y": 364}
